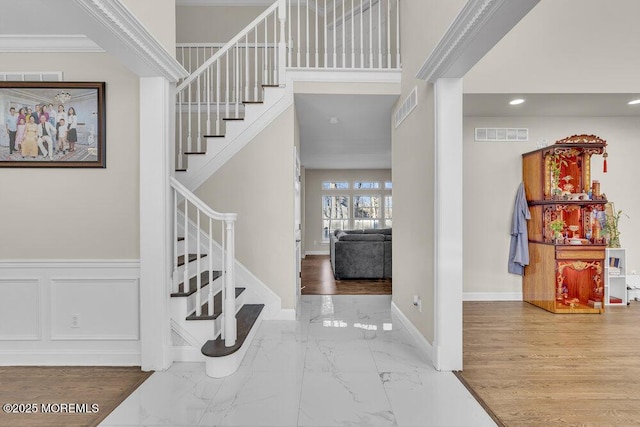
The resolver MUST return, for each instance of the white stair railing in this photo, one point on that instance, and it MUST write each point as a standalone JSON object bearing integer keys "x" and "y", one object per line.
{"x": 195, "y": 209}
{"x": 344, "y": 34}
{"x": 233, "y": 76}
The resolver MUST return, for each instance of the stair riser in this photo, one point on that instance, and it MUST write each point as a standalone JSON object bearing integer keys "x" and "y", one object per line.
{"x": 202, "y": 330}
{"x": 193, "y": 270}
{"x": 204, "y": 294}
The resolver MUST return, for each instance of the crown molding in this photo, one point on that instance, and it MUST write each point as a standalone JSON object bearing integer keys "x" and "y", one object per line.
{"x": 475, "y": 30}
{"x": 47, "y": 43}
{"x": 144, "y": 53}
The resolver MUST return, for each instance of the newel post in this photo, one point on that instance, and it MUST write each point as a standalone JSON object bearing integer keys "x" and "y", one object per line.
{"x": 230, "y": 329}
{"x": 282, "y": 44}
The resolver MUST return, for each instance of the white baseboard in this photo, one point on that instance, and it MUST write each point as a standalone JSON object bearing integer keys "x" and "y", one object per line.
{"x": 69, "y": 358}
{"x": 70, "y": 312}
{"x": 492, "y": 296}
{"x": 417, "y": 336}
{"x": 317, "y": 252}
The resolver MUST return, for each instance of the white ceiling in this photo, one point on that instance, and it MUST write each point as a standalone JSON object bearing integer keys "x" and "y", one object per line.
{"x": 360, "y": 140}
{"x": 551, "y": 104}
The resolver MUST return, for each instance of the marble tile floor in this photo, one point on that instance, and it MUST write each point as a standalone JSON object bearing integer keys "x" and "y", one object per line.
{"x": 346, "y": 361}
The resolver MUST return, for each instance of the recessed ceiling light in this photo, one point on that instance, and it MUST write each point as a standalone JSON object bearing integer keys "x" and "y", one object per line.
{"x": 333, "y": 120}
{"x": 516, "y": 101}
{"x": 634, "y": 102}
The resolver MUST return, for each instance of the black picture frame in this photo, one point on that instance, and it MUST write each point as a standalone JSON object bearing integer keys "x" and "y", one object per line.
{"x": 80, "y": 144}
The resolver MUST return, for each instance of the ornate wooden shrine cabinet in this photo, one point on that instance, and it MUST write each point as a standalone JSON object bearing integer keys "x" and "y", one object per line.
{"x": 566, "y": 246}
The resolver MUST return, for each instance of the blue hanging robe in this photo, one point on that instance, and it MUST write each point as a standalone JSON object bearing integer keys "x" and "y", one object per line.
{"x": 519, "y": 249}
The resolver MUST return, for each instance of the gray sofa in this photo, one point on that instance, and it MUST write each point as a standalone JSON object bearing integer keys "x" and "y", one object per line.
{"x": 361, "y": 254}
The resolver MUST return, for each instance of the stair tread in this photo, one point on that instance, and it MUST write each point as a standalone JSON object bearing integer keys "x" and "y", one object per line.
{"x": 253, "y": 102}
{"x": 270, "y": 85}
{"x": 217, "y": 306}
{"x": 180, "y": 238}
{"x": 193, "y": 284}
{"x": 192, "y": 257}
{"x": 195, "y": 152}
{"x": 181, "y": 170}
{"x": 213, "y": 136}
{"x": 246, "y": 318}
{"x": 232, "y": 118}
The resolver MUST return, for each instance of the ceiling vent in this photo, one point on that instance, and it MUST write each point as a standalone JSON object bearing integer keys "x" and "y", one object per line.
{"x": 502, "y": 134}
{"x": 407, "y": 106}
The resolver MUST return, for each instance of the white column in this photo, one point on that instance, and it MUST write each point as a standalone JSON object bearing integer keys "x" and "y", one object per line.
{"x": 448, "y": 225}
{"x": 156, "y": 232}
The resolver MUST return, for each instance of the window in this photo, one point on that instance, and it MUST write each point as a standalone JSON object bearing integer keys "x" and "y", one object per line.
{"x": 365, "y": 185}
{"x": 388, "y": 211}
{"x": 335, "y": 215}
{"x": 388, "y": 185}
{"x": 366, "y": 212}
{"x": 338, "y": 185}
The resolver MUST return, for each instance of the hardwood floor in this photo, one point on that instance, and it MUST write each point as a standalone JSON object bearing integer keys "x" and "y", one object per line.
{"x": 535, "y": 368}
{"x": 105, "y": 386}
{"x": 317, "y": 279}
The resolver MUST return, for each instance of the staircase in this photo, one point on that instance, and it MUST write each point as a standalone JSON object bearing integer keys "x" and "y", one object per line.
{"x": 234, "y": 92}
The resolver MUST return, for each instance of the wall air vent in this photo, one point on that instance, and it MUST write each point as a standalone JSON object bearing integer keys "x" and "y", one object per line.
{"x": 407, "y": 106}
{"x": 31, "y": 76}
{"x": 502, "y": 134}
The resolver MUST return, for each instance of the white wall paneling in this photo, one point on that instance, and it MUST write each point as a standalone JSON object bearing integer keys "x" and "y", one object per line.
{"x": 20, "y": 309}
{"x": 70, "y": 312}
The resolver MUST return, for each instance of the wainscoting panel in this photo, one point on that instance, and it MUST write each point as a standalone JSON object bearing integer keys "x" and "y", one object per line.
{"x": 20, "y": 309}
{"x": 94, "y": 309}
{"x": 70, "y": 312}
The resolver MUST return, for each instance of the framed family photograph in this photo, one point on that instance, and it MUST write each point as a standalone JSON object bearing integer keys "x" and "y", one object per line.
{"x": 52, "y": 124}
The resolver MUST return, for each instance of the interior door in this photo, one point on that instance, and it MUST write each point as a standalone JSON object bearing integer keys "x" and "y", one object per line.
{"x": 298, "y": 222}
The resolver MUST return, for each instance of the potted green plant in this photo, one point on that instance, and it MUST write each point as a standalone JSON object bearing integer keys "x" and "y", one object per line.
{"x": 611, "y": 228}
{"x": 556, "y": 166}
{"x": 557, "y": 225}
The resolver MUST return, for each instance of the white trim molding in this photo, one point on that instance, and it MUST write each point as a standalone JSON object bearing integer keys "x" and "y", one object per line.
{"x": 41, "y": 299}
{"x": 152, "y": 58}
{"x": 420, "y": 340}
{"x": 47, "y": 43}
{"x": 477, "y": 28}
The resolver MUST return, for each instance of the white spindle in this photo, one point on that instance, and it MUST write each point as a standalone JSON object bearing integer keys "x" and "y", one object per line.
{"x": 236, "y": 77}
{"x": 275, "y": 50}
{"x": 185, "y": 270}
{"x": 282, "y": 46}
{"x": 230, "y": 297}
{"x": 326, "y": 47}
{"x": 198, "y": 268}
{"x": 290, "y": 47}
{"x": 265, "y": 57}
{"x": 210, "y": 256}
{"x": 335, "y": 30}
{"x": 361, "y": 36}
{"x": 317, "y": 41}
{"x": 298, "y": 39}
{"x": 224, "y": 276}
{"x": 190, "y": 62}
{"x": 180, "y": 133}
{"x": 255, "y": 64}
{"x": 176, "y": 253}
{"x": 379, "y": 34}
{"x": 226, "y": 86}
{"x": 307, "y": 45}
{"x": 208, "y": 80}
{"x": 388, "y": 33}
{"x": 353, "y": 32}
{"x": 217, "y": 97}
{"x": 397, "y": 33}
{"x": 199, "y": 144}
{"x": 344, "y": 41}
{"x": 246, "y": 68}
{"x": 370, "y": 34}
{"x": 189, "y": 138}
